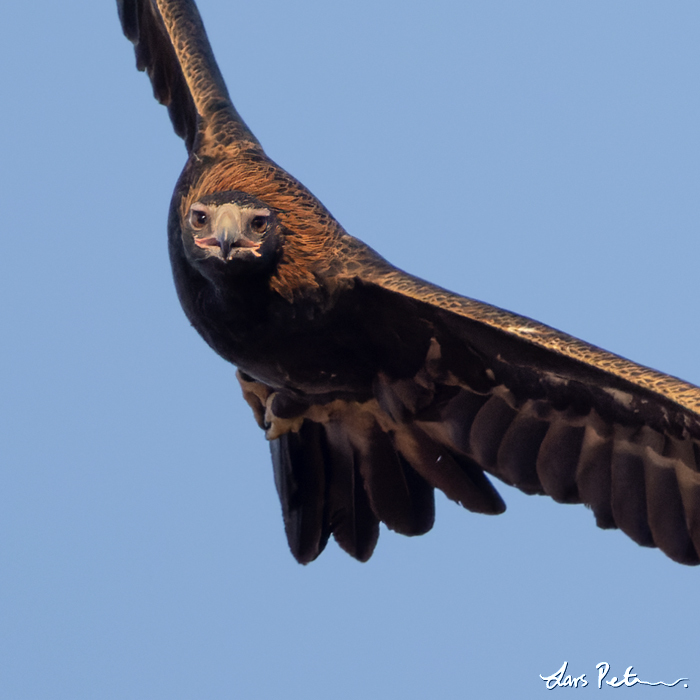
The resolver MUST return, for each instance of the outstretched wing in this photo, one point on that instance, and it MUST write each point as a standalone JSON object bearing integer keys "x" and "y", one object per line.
{"x": 502, "y": 394}
{"x": 172, "y": 47}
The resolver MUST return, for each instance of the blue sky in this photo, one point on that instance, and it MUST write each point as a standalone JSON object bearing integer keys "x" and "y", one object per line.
{"x": 541, "y": 156}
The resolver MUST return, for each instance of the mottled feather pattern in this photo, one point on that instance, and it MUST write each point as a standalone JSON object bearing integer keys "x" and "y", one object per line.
{"x": 445, "y": 388}
{"x": 680, "y": 392}
{"x": 155, "y": 54}
{"x": 219, "y": 125}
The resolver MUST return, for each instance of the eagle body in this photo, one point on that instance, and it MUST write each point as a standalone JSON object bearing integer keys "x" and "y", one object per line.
{"x": 374, "y": 387}
{"x": 288, "y": 333}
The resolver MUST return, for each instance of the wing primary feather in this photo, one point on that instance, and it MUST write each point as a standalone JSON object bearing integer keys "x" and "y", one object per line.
{"x": 172, "y": 46}
{"x": 628, "y": 489}
{"x": 459, "y": 478}
{"x": 683, "y": 454}
{"x": 557, "y": 458}
{"x": 452, "y": 424}
{"x": 665, "y": 510}
{"x": 128, "y": 16}
{"x": 689, "y": 483}
{"x": 400, "y": 497}
{"x": 593, "y": 472}
{"x": 487, "y": 432}
{"x": 222, "y": 123}
{"x": 517, "y": 453}
{"x": 155, "y": 54}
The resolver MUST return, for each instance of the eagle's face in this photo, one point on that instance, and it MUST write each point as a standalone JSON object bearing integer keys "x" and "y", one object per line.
{"x": 230, "y": 232}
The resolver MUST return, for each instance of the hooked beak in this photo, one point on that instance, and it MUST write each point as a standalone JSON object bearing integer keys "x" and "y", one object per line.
{"x": 228, "y": 234}
{"x": 228, "y": 231}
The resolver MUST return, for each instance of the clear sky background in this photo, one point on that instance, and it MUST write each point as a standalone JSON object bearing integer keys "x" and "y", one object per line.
{"x": 541, "y": 156}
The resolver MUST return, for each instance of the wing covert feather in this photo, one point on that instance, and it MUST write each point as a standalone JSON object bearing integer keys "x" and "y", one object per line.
{"x": 588, "y": 361}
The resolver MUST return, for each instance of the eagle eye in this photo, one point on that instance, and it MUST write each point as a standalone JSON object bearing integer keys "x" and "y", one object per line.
{"x": 198, "y": 218}
{"x": 258, "y": 224}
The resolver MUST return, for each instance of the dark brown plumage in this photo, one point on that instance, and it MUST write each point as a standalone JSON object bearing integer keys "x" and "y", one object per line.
{"x": 375, "y": 387}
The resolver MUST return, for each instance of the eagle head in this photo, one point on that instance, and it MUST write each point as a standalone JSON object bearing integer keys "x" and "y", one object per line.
{"x": 230, "y": 232}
